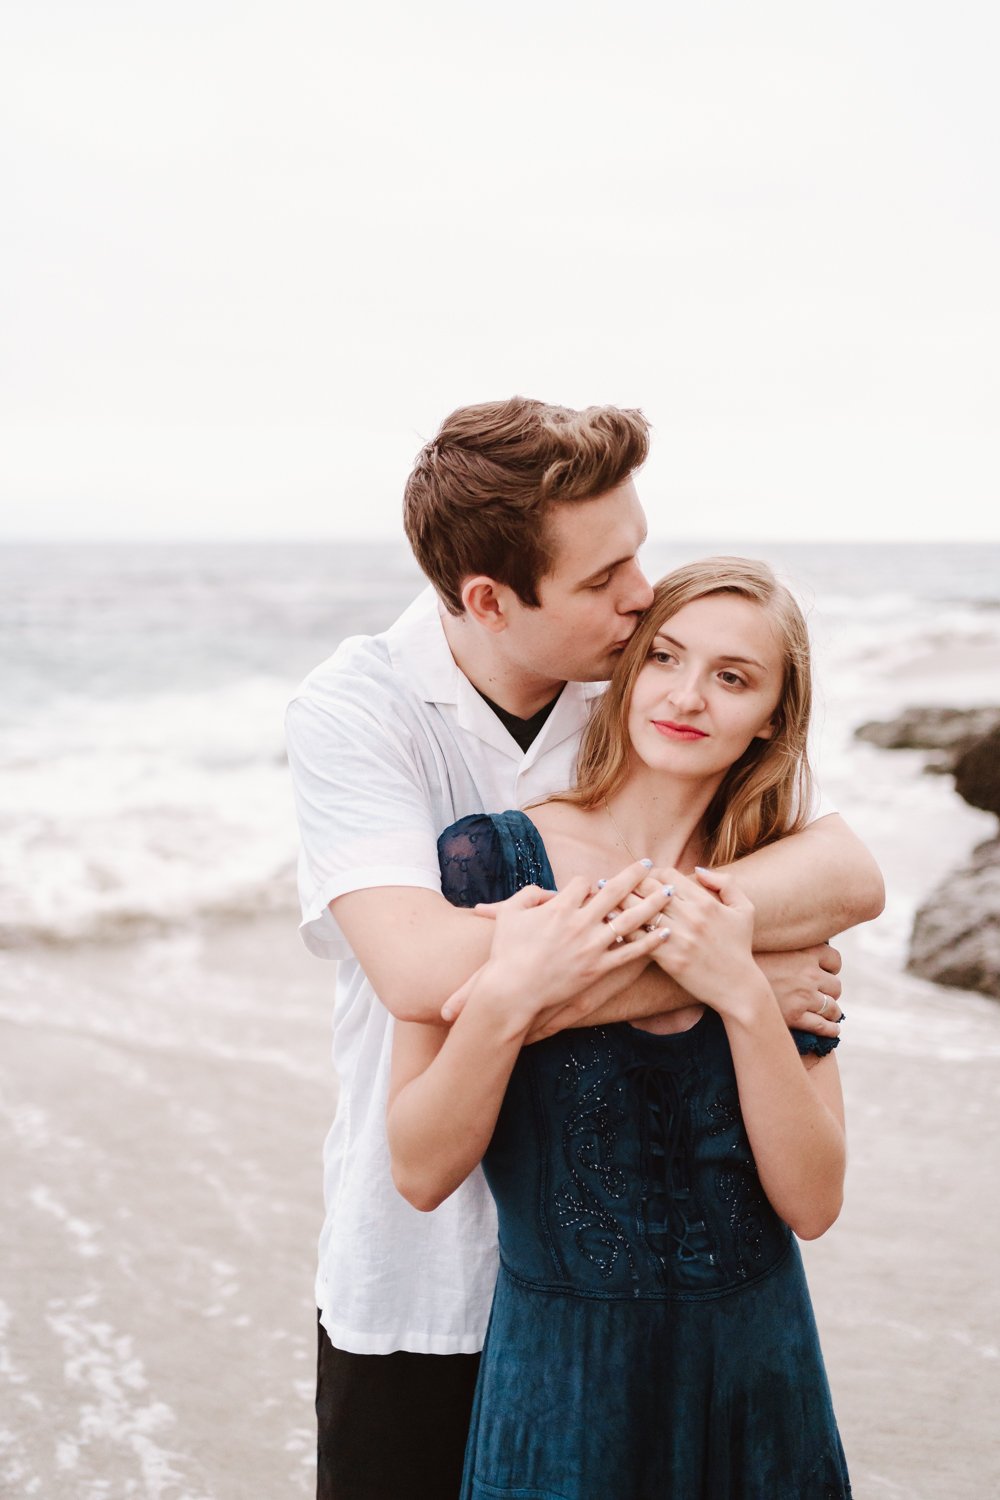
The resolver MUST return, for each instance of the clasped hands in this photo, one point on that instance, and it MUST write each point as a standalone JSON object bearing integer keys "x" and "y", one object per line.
{"x": 552, "y": 947}
{"x": 712, "y": 922}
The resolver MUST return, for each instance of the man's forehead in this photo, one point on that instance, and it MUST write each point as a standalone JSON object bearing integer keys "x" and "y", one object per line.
{"x": 588, "y": 537}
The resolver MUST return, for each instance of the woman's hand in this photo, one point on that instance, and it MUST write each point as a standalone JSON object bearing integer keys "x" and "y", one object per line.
{"x": 709, "y": 950}
{"x": 805, "y": 981}
{"x": 548, "y": 946}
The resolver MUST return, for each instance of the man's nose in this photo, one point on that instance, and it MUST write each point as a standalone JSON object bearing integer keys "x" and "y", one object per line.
{"x": 638, "y": 592}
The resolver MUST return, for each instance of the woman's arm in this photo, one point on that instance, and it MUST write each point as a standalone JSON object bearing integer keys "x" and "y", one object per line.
{"x": 794, "y": 1116}
{"x": 446, "y": 1087}
{"x": 793, "y": 1113}
{"x": 444, "y": 1098}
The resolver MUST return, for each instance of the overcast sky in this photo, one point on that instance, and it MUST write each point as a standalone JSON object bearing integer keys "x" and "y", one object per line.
{"x": 253, "y": 253}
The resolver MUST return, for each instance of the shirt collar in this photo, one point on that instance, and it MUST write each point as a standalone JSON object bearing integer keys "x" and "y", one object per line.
{"x": 419, "y": 651}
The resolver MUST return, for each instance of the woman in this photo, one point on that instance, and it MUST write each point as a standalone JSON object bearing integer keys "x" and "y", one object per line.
{"x": 651, "y": 1332}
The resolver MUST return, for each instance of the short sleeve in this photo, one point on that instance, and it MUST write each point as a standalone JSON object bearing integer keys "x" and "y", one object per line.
{"x": 364, "y": 813}
{"x": 808, "y": 1042}
{"x": 489, "y": 856}
{"x": 471, "y": 861}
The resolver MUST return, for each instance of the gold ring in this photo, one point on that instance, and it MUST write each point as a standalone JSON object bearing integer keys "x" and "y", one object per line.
{"x": 611, "y": 923}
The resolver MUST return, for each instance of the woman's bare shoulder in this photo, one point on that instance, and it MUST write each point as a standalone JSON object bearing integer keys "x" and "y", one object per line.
{"x": 575, "y": 839}
{"x": 558, "y": 818}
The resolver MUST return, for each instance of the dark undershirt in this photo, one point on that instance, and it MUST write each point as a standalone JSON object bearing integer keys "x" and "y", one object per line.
{"x": 524, "y": 731}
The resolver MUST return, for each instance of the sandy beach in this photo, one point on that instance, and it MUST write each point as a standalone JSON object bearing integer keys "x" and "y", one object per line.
{"x": 164, "y": 1104}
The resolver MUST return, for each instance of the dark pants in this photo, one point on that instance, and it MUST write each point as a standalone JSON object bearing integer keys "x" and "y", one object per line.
{"x": 391, "y": 1426}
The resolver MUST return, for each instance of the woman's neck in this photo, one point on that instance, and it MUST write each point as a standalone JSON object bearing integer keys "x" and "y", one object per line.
{"x": 664, "y": 816}
{"x": 650, "y": 817}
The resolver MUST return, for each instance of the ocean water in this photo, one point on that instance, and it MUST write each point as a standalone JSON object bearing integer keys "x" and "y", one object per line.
{"x": 143, "y": 785}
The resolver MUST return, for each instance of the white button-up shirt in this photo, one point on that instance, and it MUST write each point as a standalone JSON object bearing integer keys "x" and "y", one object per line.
{"x": 389, "y": 744}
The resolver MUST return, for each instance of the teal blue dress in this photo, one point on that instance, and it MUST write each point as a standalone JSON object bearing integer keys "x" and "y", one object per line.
{"x": 651, "y": 1335}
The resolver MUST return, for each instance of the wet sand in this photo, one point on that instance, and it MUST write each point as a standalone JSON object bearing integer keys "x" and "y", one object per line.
{"x": 162, "y": 1202}
{"x": 162, "y": 1110}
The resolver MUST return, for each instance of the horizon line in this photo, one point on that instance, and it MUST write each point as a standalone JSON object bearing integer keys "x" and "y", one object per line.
{"x": 230, "y": 539}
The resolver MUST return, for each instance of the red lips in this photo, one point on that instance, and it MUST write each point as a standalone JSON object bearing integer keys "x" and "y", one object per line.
{"x": 678, "y": 731}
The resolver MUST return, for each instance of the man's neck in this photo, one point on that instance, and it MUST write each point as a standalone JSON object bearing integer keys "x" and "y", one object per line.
{"x": 491, "y": 674}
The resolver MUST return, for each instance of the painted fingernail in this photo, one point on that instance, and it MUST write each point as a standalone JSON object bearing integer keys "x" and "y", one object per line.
{"x": 700, "y": 870}
{"x": 601, "y": 884}
{"x": 647, "y": 862}
{"x": 664, "y": 934}
{"x": 668, "y": 891}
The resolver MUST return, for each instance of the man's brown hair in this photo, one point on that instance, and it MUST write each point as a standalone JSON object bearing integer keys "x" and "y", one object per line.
{"x": 477, "y": 498}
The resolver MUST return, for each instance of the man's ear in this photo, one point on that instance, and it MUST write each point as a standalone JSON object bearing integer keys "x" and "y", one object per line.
{"x": 483, "y": 602}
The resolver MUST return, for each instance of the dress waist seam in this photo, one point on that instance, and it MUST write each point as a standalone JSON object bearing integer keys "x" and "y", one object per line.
{"x": 692, "y": 1294}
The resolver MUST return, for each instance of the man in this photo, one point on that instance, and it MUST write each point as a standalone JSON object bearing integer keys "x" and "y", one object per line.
{"x": 525, "y": 518}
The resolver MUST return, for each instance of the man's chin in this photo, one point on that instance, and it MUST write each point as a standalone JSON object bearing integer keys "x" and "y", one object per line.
{"x": 600, "y": 671}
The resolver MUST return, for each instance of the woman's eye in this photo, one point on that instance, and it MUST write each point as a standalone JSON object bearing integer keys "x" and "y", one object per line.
{"x": 663, "y": 657}
{"x": 732, "y": 679}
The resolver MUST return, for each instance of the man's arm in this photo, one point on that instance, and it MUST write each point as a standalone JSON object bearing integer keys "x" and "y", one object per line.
{"x": 810, "y": 885}
{"x": 417, "y": 949}
{"x": 414, "y": 946}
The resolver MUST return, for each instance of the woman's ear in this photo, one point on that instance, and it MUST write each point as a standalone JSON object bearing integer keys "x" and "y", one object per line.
{"x": 768, "y": 732}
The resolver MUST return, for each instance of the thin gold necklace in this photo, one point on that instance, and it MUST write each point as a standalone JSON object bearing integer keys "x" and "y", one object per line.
{"x": 614, "y": 825}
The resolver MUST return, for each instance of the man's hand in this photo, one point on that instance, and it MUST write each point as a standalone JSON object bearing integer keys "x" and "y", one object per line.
{"x": 805, "y": 983}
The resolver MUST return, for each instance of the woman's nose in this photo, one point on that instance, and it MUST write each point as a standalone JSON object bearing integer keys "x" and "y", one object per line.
{"x": 685, "y": 694}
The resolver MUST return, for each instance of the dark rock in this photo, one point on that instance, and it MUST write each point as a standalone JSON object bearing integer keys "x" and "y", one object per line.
{"x": 956, "y": 933}
{"x": 947, "y": 733}
{"x": 977, "y": 773}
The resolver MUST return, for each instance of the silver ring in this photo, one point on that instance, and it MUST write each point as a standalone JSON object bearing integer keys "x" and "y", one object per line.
{"x": 826, "y": 1002}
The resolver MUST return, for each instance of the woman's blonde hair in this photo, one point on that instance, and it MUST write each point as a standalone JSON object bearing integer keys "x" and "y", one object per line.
{"x": 767, "y": 792}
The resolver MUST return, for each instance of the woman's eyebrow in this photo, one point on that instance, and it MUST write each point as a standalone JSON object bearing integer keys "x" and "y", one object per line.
{"x": 743, "y": 661}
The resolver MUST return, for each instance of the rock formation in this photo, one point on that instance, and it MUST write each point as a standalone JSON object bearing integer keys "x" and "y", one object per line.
{"x": 945, "y": 733}
{"x": 956, "y": 932}
{"x": 977, "y": 773}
